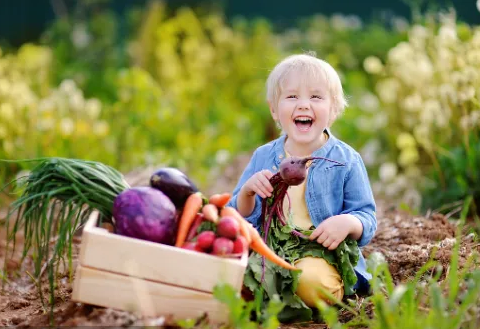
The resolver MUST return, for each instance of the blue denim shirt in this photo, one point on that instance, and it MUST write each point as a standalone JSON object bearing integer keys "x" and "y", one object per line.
{"x": 331, "y": 189}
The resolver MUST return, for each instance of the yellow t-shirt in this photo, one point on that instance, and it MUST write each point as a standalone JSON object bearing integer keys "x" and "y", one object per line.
{"x": 296, "y": 199}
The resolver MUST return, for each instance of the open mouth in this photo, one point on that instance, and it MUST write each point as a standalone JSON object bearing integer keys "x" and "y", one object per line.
{"x": 303, "y": 123}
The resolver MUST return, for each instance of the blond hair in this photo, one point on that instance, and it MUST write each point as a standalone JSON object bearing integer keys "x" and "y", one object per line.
{"x": 311, "y": 67}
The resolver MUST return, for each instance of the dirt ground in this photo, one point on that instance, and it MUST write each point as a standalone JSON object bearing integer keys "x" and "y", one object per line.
{"x": 406, "y": 241}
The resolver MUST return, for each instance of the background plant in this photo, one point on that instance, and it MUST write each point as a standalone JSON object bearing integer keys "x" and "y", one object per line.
{"x": 428, "y": 88}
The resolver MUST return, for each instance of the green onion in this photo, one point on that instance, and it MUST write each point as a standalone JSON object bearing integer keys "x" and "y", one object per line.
{"x": 55, "y": 200}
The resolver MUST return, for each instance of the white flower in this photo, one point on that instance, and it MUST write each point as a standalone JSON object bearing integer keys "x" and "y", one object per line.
{"x": 478, "y": 5}
{"x": 400, "y": 52}
{"x": 364, "y": 123}
{"x": 475, "y": 117}
{"x": 387, "y": 90}
{"x": 46, "y": 124}
{"x": 373, "y": 65}
{"x": 93, "y": 108}
{"x": 80, "y": 36}
{"x": 387, "y": 171}
{"x": 368, "y": 102}
{"x": 465, "y": 122}
{"x": 370, "y": 151}
{"x": 418, "y": 31}
{"x": 68, "y": 86}
{"x": 412, "y": 103}
{"x": 100, "y": 128}
{"x": 339, "y": 22}
{"x": 380, "y": 120}
{"x": 67, "y": 126}
{"x": 222, "y": 156}
{"x": 76, "y": 100}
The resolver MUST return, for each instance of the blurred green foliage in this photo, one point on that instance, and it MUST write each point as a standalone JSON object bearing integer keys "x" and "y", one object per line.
{"x": 186, "y": 88}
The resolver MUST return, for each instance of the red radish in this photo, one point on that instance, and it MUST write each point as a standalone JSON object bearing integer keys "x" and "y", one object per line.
{"x": 190, "y": 245}
{"x": 205, "y": 239}
{"x": 222, "y": 246}
{"x": 228, "y": 227}
{"x": 240, "y": 245}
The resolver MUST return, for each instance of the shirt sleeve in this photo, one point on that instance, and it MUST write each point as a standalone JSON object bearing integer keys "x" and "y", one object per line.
{"x": 359, "y": 201}
{"x": 254, "y": 217}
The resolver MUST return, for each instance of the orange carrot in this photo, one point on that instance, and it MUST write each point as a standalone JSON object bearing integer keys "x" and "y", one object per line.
{"x": 232, "y": 212}
{"x": 210, "y": 212}
{"x": 220, "y": 199}
{"x": 261, "y": 248}
{"x": 192, "y": 206}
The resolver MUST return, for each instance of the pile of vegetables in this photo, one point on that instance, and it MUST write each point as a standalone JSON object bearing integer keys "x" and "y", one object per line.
{"x": 171, "y": 211}
{"x": 59, "y": 194}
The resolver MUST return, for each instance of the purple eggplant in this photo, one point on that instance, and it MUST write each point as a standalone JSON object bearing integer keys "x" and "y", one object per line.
{"x": 174, "y": 184}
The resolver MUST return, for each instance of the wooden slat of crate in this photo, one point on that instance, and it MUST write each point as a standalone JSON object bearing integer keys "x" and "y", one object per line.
{"x": 144, "y": 297}
{"x": 166, "y": 264}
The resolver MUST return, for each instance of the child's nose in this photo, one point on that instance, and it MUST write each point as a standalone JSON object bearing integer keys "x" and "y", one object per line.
{"x": 303, "y": 104}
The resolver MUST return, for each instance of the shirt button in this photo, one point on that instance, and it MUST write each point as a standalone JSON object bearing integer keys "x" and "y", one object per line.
{"x": 281, "y": 156}
{"x": 274, "y": 167}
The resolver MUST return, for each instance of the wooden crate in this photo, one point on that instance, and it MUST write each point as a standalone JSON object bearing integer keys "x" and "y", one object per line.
{"x": 149, "y": 278}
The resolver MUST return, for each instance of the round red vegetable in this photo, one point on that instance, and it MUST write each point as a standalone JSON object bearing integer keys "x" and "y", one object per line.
{"x": 293, "y": 170}
{"x": 240, "y": 245}
{"x": 228, "y": 227}
{"x": 192, "y": 245}
{"x": 222, "y": 246}
{"x": 145, "y": 213}
{"x": 205, "y": 240}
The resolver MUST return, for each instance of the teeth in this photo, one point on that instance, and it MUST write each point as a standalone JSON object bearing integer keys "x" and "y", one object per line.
{"x": 303, "y": 119}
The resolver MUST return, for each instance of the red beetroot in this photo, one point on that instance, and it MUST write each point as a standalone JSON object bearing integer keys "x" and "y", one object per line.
{"x": 240, "y": 245}
{"x": 205, "y": 239}
{"x": 222, "y": 246}
{"x": 228, "y": 227}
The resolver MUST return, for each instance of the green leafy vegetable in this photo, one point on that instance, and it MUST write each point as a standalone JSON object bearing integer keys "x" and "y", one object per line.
{"x": 282, "y": 282}
{"x": 55, "y": 200}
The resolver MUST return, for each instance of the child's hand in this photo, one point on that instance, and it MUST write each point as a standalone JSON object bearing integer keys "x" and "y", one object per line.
{"x": 331, "y": 232}
{"x": 259, "y": 183}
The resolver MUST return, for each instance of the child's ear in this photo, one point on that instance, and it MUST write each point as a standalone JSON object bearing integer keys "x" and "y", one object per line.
{"x": 333, "y": 116}
{"x": 272, "y": 111}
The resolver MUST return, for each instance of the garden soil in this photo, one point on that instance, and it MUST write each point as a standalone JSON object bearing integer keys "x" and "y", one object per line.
{"x": 406, "y": 241}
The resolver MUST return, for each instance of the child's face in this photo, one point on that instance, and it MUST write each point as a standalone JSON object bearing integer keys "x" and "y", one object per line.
{"x": 303, "y": 111}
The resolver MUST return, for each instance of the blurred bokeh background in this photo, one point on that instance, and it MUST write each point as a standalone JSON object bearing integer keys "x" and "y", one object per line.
{"x": 181, "y": 83}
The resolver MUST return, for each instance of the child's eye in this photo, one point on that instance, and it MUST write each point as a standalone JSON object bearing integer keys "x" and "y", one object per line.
{"x": 292, "y": 96}
{"x": 317, "y": 96}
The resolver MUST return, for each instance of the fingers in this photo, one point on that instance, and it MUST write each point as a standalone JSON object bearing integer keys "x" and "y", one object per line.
{"x": 334, "y": 245}
{"x": 328, "y": 242}
{"x": 264, "y": 182}
{"x": 316, "y": 233}
{"x": 260, "y": 184}
{"x": 322, "y": 238}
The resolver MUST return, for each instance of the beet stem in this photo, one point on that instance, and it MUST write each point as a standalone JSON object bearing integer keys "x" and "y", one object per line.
{"x": 317, "y": 158}
{"x": 300, "y": 235}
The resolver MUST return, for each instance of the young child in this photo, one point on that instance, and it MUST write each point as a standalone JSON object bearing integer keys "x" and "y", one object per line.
{"x": 305, "y": 96}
